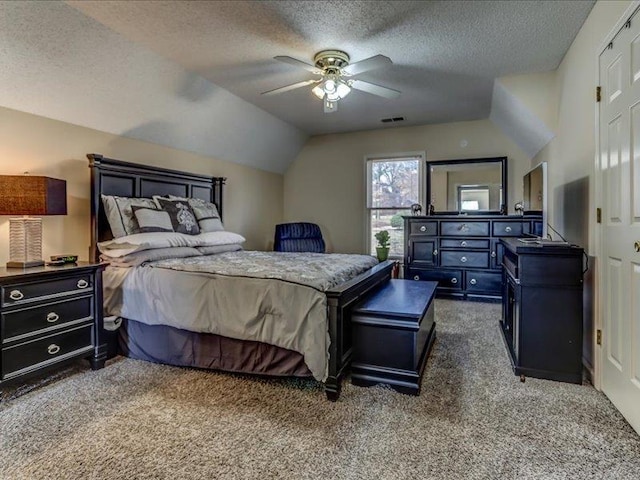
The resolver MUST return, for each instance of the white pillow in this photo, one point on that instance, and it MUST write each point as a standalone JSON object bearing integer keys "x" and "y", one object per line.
{"x": 119, "y": 247}
{"x": 120, "y": 215}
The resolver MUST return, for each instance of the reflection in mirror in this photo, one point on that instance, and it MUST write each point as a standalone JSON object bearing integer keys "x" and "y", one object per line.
{"x": 467, "y": 186}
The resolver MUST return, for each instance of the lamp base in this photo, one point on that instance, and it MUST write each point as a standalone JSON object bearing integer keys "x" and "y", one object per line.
{"x": 29, "y": 264}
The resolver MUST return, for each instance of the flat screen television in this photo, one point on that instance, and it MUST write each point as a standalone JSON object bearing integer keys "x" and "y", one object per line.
{"x": 536, "y": 195}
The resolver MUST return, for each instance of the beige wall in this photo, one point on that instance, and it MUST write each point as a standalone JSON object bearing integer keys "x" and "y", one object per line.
{"x": 252, "y": 200}
{"x": 571, "y": 154}
{"x": 326, "y": 182}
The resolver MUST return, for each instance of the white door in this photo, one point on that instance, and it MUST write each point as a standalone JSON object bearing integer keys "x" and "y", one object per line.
{"x": 619, "y": 177}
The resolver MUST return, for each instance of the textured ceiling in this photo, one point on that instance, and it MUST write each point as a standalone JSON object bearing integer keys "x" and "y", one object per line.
{"x": 446, "y": 54}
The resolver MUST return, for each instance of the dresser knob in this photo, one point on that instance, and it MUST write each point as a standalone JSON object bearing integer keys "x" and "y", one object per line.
{"x": 52, "y": 317}
{"x": 508, "y": 229}
{"x": 416, "y": 277}
{"x": 16, "y": 295}
{"x": 463, "y": 259}
{"x": 82, "y": 283}
{"x": 53, "y": 349}
{"x": 435, "y": 252}
{"x": 423, "y": 228}
{"x": 493, "y": 255}
{"x": 463, "y": 244}
{"x": 454, "y": 280}
{"x": 473, "y": 281}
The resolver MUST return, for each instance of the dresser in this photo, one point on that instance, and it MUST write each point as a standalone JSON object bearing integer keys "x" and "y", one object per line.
{"x": 50, "y": 315}
{"x": 542, "y": 310}
{"x": 462, "y": 252}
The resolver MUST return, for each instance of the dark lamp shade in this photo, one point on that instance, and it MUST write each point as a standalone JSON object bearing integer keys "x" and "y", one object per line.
{"x": 32, "y": 195}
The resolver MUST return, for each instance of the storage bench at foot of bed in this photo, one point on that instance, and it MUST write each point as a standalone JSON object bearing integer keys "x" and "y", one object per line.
{"x": 393, "y": 332}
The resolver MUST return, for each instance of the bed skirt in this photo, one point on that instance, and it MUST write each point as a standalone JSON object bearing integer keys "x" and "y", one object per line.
{"x": 173, "y": 346}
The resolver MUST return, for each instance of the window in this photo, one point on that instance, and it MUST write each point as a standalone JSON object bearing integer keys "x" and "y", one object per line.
{"x": 393, "y": 185}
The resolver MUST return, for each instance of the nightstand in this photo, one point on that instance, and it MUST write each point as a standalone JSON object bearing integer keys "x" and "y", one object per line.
{"x": 50, "y": 315}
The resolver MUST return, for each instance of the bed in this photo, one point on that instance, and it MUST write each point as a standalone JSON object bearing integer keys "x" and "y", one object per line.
{"x": 154, "y": 342}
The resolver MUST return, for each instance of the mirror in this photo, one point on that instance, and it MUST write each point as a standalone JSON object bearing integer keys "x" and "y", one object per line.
{"x": 474, "y": 186}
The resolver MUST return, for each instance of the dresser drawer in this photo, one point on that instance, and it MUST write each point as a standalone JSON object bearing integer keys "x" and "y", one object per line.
{"x": 462, "y": 258}
{"x": 26, "y": 321}
{"x": 463, "y": 243}
{"x": 450, "y": 279}
{"x": 490, "y": 282}
{"x": 507, "y": 229}
{"x": 465, "y": 229}
{"x": 28, "y": 292}
{"x": 47, "y": 350}
{"x": 423, "y": 227}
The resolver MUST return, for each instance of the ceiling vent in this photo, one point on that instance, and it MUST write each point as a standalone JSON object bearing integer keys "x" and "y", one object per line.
{"x": 392, "y": 119}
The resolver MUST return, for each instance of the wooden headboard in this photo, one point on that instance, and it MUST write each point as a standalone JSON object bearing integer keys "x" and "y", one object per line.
{"x": 125, "y": 179}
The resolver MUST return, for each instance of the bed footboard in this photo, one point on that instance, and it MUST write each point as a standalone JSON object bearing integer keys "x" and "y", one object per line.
{"x": 340, "y": 300}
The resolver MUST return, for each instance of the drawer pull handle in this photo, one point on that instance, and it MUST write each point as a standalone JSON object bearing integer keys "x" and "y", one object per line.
{"x": 16, "y": 295}
{"x": 473, "y": 281}
{"x": 454, "y": 280}
{"x": 464, "y": 227}
{"x": 493, "y": 254}
{"x": 416, "y": 277}
{"x": 463, "y": 244}
{"x": 423, "y": 228}
{"x": 82, "y": 283}
{"x": 52, "y": 317}
{"x": 507, "y": 229}
{"x": 53, "y": 349}
{"x": 463, "y": 259}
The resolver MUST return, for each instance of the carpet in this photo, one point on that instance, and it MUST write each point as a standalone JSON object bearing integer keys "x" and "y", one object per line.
{"x": 473, "y": 420}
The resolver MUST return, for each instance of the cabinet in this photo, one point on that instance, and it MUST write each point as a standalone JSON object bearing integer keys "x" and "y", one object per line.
{"x": 49, "y": 315}
{"x": 542, "y": 310}
{"x": 462, "y": 252}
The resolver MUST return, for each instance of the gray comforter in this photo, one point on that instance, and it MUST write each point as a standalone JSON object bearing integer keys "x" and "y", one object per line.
{"x": 271, "y": 297}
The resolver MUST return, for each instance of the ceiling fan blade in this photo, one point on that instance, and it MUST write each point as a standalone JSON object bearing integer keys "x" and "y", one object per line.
{"x": 286, "y": 88}
{"x": 330, "y": 107}
{"x": 375, "y": 89}
{"x": 377, "y": 61}
{"x": 297, "y": 63}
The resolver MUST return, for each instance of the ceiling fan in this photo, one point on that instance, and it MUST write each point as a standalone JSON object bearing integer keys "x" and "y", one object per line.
{"x": 336, "y": 74}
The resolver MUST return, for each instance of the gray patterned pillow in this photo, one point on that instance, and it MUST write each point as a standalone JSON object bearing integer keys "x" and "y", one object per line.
{"x": 182, "y": 216}
{"x": 120, "y": 215}
{"x": 206, "y": 213}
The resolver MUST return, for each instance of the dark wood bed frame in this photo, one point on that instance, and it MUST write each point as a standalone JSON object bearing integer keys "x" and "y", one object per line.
{"x": 115, "y": 177}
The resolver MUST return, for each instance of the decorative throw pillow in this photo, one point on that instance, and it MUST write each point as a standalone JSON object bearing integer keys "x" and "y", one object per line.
{"x": 120, "y": 215}
{"x": 152, "y": 220}
{"x": 206, "y": 213}
{"x": 182, "y": 216}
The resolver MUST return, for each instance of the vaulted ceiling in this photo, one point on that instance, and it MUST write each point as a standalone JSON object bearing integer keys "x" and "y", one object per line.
{"x": 189, "y": 74}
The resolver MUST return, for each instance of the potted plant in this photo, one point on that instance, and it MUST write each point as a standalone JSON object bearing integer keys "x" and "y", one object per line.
{"x": 382, "y": 250}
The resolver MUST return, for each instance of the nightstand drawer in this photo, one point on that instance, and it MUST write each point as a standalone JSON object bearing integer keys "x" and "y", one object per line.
{"x": 507, "y": 229}
{"x": 465, "y": 229}
{"x": 26, "y": 321}
{"x": 40, "y": 290}
{"x": 461, "y": 258}
{"x": 48, "y": 350}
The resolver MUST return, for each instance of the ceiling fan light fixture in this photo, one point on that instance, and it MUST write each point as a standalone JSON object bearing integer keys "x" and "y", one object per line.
{"x": 343, "y": 89}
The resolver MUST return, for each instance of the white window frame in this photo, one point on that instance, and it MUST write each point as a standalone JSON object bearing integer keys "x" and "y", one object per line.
{"x": 368, "y": 160}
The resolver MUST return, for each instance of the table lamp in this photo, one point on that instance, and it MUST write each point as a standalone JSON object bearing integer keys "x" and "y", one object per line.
{"x": 29, "y": 195}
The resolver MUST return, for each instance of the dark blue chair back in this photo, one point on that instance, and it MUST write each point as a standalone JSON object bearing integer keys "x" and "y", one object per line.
{"x": 298, "y": 237}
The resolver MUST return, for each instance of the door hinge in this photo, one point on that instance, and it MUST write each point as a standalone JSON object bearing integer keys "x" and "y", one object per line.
{"x": 599, "y": 337}
{"x": 598, "y": 215}
{"x": 598, "y": 93}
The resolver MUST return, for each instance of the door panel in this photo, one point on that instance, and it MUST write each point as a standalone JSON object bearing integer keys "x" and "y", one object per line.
{"x": 618, "y": 182}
